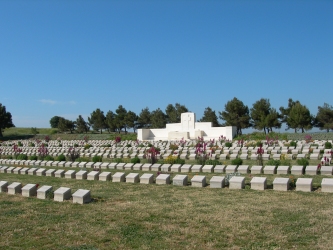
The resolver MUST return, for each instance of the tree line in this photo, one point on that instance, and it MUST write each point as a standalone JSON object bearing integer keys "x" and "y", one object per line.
{"x": 261, "y": 116}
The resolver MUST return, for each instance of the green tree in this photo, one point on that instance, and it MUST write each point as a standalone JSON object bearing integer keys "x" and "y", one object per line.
{"x": 54, "y": 121}
{"x": 34, "y": 131}
{"x": 273, "y": 120}
{"x": 324, "y": 118}
{"x": 285, "y": 112}
{"x": 97, "y": 120}
{"x": 300, "y": 118}
{"x": 236, "y": 114}
{"x": 120, "y": 118}
{"x": 174, "y": 112}
{"x": 158, "y": 119}
{"x": 210, "y": 116}
{"x": 110, "y": 121}
{"x": 144, "y": 119}
{"x": 65, "y": 125}
{"x": 81, "y": 125}
{"x": 130, "y": 120}
{"x": 5, "y": 119}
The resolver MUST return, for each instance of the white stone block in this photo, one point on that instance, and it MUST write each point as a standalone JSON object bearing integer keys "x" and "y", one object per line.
{"x": 128, "y": 166}
{"x": 326, "y": 170}
{"x": 282, "y": 170}
{"x": 50, "y": 172}
{"x": 297, "y": 170}
{"x": 217, "y": 182}
{"x": 68, "y": 164}
{"x": 82, "y": 164}
{"x": 231, "y": 169}
{"x": 185, "y": 168}
{"x": 196, "y": 168}
{"x": 146, "y": 167}
{"x": 59, "y": 173}
{"x": 120, "y": 166}
{"x": 70, "y": 174}
{"x": 137, "y": 166}
{"x": 163, "y": 179}
{"x": 29, "y": 190}
{"x": 41, "y": 172}
{"x": 166, "y": 167}
{"x": 81, "y": 196}
{"x": 9, "y": 170}
{"x": 3, "y": 169}
{"x": 254, "y": 156}
{"x": 244, "y": 156}
{"x": 327, "y": 185}
{"x": 259, "y": 183}
{"x": 304, "y": 184}
{"x": 256, "y": 169}
{"x": 237, "y": 182}
{"x": 43, "y": 191}
{"x": 62, "y": 194}
{"x": 180, "y": 180}
{"x": 207, "y": 168}
{"x": 281, "y": 184}
{"x": 198, "y": 181}
{"x": 81, "y": 175}
{"x": 105, "y": 165}
{"x": 156, "y": 167}
{"x": 311, "y": 170}
{"x": 118, "y": 177}
{"x": 233, "y": 156}
{"x": 32, "y": 171}
{"x": 17, "y": 170}
{"x": 243, "y": 169}
{"x": 75, "y": 164}
{"x": 93, "y": 176}
{"x": 270, "y": 170}
{"x": 146, "y": 178}
{"x": 219, "y": 169}
{"x": 105, "y": 176}
{"x": 3, "y": 186}
{"x": 14, "y": 188}
{"x": 176, "y": 168}
{"x": 132, "y": 178}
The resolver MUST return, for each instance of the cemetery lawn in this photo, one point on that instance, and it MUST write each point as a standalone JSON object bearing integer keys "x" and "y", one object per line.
{"x": 128, "y": 216}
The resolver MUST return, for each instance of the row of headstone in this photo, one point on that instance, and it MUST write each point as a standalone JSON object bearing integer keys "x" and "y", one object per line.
{"x": 81, "y": 196}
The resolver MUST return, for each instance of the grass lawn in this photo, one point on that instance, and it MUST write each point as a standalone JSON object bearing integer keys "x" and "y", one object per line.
{"x": 128, "y": 216}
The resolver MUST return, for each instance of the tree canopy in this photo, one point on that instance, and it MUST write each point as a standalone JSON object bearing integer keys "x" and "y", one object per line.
{"x": 5, "y": 119}
{"x": 173, "y": 113}
{"x": 210, "y": 116}
{"x": 324, "y": 117}
{"x": 97, "y": 120}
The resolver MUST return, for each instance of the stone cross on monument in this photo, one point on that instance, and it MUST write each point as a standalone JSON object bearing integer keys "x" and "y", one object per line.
{"x": 187, "y": 121}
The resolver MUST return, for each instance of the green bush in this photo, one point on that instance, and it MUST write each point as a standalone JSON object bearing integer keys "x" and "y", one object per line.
{"x": 31, "y": 144}
{"x": 87, "y": 146}
{"x": 33, "y": 158}
{"x": 97, "y": 158}
{"x": 118, "y": 160}
{"x": 285, "y": 163}
{"x": 22, "y": 157}
{"x": 292, "y": 144}
{"x": 273, "y": 162}
{"x": 328, "y": 145}
{"x": 135, "y": 160}
{"x": 303, "y": 162}
{"x": 82, "y": 159}
{"x": 19, "y": 144}
{"x": 76, "y": 145}
{"x": 259, "y": 143}
{"x": 48, "y": 158}
{"x": 228, "y": 144}
{"x": 61, "y": 158}
{"x": 9, "y": 157}
{"x": 237, "y": 161}
{"x": 212, "y": 162}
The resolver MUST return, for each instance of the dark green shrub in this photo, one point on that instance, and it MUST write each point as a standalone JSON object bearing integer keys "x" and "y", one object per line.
{"x": 19, "y": 144}
{"x": 22, "y": 157}
{"x": 179, "y": 161}
{"x": 33, "y": 158}
{"x": 61, "y": 158}
{"x": 212, "y": 162}
{"x": 273, "y": 162}
{"x": 150, "y": 145}
{"x": 328, "y": 145}
{"x": 228, "y": 144}
{"x": 237, "y": 161}
{"x": 321, "y": 151}
{"x": 303, "y": 162}
{"x": 135, "y": 160}
{"x": 97, "y": 158}
{"x": 76, "y": 145}
{"x": 48, "y": 158}
{"x": 87, "y": 146}
{"x": 9, "y": 157}
{"x": 259, "y": 144}
{"x": 31, "y": 144}
{"x": 118, "y": 160}
{"x": 292, "y": 144}
{"x": 128, "y": 145}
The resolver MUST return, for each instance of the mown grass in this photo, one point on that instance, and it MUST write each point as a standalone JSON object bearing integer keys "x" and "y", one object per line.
{"x": 129, "y": 216}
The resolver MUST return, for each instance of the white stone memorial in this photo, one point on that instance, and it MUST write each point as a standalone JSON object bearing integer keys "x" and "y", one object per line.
{"x": 327, "y": 185}
{"x": 256, "y": 169}
{"x": 219, "y": 169}
{"x": 166, "y": 167}
{"x": 62, "y": 193}
{"x": 118, "y": 177}
{"x": 297, "y": 170}
{"x": 105, "y": 176}
{"x": 70, "y": 174}
{"x": 259, "y": 183}
{"x": 231, "y": 169}
{"x": 29, "y": 190}
{"x": 198, "y": 181}
{"x": 59, "y": 173}
{"x": 217, "y": 182}
{"x": 3, "y": 186}
{"x": 176, "y": 168}
{"x": 282, "y": 170}
{"x": 281, "y": 184}
{"x": 163, "y": 179}
{"x": 270, "y": 170}
{"x": 93, "y": 176}
{"x": 81, "y": 196}
{"x": 43, "y": 191}
{"x": 207, "y": 169}
{"x": 304, "y": 184}
{"x": 81, "y": 175}
{"x": 196, "y": 168}
{"x": 185, "y": 168}
{"x": 243, "y": 169}
{"x": 14, "y": 188}
{"x": 132, "y": 178}
{"x": 237, "y": 182}
{"x": 50, "y": 172}
{"x": 146, "y": 178}
{"x": 180, "y": 180}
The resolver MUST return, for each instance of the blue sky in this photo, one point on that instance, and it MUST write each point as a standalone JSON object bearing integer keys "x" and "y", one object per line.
{"x": 68, "y": 58}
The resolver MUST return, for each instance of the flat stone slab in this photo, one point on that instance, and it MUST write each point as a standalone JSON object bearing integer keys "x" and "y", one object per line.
{"x": 198, "y": 181}
{"x": 243, "y": 169}
{"x": 41, "y": 172}
{"x": 17, "y": 170}
{"x": 156, "y": 167}
{"x": 14, "y": 188}
{"x": 62, "y": 193}
{"x": 9, "y": 170}
{"x": 297, "y": 170}
{"x": 185, "y": 168}
{"x": 132, "y": 178}
{"x": 311, "y": 170}
{"x": 105, "y": 165}
{"x": 146, "y": 167}
{"x": 259, "y": 183}
{"x": 237, "y": 182}
{"x": 166, "y": 167}
{"x": 81, "y": 175}
{"x": 282, "y": 170}
{"x": 180, "y": 180}
{"x": 118, "y": 177}
{"x": 196, "y": 168}
{"x": 163, "y": 179}
{"x": 176, "y": 168}
{"x": 304, "y": 184}
{"x": 219, "y": 169}
{"x": 3, "y": 186}
{"x": 105, "y": 176}
{"x": 137, "y": 166}
{"x": 327, "y": 185}
{"x": 81, "y": 196}
{"x": 270, "y": 170}
{"x": 43, "y": 191}
{"x": 3, "y": 169}
{"x": 217, "y": 182}
{"x": 29, "y": 190}
{"x": 93, "y": 176}
{"x": 231, "y": 169}
{"x": 281, "y": 184}
{"x": 146, "y": 178}
{"x": 121, "y": 166}
{"x": 32, "y": 171}
{"x": 50, "y": 172}
{"x": 70, "y": 174}
{"x": 128, "y": 166}
{"x": 59, "y": 173}
{"x": 257, "y": 169}
{"x": 207, "y": 168}
{"x": 326, "y": 170}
